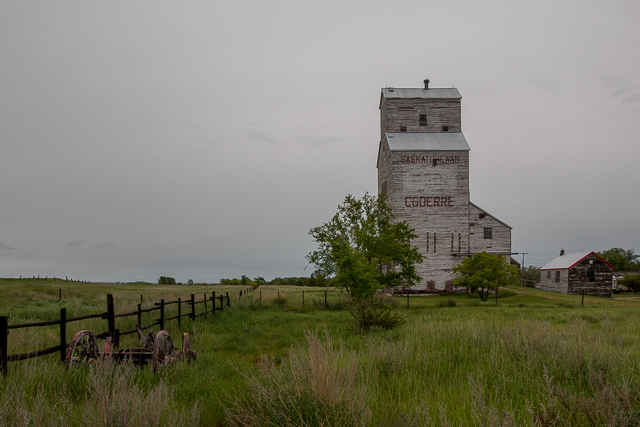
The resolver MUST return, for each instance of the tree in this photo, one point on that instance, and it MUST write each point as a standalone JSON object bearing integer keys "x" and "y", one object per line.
{"x": 166, "y": 280}
{"x": 365, "y": 248}
{"x": 486, "y": 273}
{"x": 631, "y": 281}
{"x": 622, "y": 259}
{"x": 531, "y": 273}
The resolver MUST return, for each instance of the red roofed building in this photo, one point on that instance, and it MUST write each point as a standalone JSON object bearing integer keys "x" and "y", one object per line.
{"x": 574, "y": 273}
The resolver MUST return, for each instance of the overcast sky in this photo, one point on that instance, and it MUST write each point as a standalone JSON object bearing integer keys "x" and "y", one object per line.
{"x": 204, "y": 139}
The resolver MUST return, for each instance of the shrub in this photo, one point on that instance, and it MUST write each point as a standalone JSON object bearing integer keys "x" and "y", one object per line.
{"x": 448, "y": 303}
{"x": 375, "y": 311}
{"x": 280, "y": 300}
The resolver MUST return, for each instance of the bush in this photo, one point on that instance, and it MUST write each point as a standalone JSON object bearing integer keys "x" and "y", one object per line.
{"x": 375, "y": 311}
{"x": 448, "y": 303}
{"x": 280, "y": 300}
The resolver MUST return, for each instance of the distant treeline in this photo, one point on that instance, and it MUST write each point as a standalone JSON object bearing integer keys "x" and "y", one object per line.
{"x": 315, "y": 280}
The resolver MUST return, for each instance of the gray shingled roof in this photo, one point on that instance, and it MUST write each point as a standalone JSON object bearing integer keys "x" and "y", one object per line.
{"x": 450, "y": 93}
{"x": 427, "y": 141}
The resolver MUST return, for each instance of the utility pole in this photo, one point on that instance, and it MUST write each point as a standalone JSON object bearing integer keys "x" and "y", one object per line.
{"x": 522, "y": 269}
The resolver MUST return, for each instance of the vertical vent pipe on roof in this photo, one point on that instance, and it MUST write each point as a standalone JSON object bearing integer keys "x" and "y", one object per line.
{"x": 426, "y": 84}
{"x": 561, "y": 252}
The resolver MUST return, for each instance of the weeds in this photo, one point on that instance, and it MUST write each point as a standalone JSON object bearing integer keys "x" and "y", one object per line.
{"x": 316, "y": 386}
{"x": 448, "y": 303}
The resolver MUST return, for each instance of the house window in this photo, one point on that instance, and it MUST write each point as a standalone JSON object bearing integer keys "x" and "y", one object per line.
{"x": 488, "y": 233}
{"x": 423, "y": 119}
{"x": 549, "y": 275}
{"x": 384, "y": 188}
{"x": 482, "y": 215}
{"x": 557, "y": 277}
{"x": 591, "y": 275}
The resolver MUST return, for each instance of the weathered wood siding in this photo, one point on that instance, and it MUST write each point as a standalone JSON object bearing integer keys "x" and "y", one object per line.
{"x": 577, "y": 278}
{"x": 500, "y": 241}
{"x": 442, "y": 227}
{"x": 396, "y": 113}
{"x": 601, "y": 286}
{"x": 548, "y": 281}
{"x": 432, "y": 198}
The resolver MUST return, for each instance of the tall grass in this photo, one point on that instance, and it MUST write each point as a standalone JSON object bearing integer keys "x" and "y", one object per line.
{"x": 317, "y": 385}
{"x": 526, "y": 361}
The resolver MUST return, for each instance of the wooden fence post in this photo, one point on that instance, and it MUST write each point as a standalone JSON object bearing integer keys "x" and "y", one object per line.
{"x": 140, "y": 298}
{"x": 60, "y": 295}
{"x": 205, "y": 306}
{"x": 496, "y": 296}
{"x": 407, "y": 298}
{"x": 278, "y": 295}
{"x": 4, "y": 328}
{"x": 63, "y": 334}
{"x": 162, "y": 314}
{"x": 325, "y": 299}
{"x": 583, "y": 297}
{"x": 193, "y": 307}
{"x": 111, "y": 319}
{"x": 228, "y": 302}
{"x": 179, "y": 312}
{"x": 213, "y": 302}
{"x": 140, "y": 315}
{"x": 302, "y": 297}
{"x": 260, "y": 295}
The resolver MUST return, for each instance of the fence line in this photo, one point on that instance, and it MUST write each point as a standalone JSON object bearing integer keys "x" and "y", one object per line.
{"x": 110, "y": 316}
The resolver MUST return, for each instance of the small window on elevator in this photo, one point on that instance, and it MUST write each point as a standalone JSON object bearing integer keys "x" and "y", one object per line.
{"x": 488, "y": 233}
{"x": 423, "y": 119}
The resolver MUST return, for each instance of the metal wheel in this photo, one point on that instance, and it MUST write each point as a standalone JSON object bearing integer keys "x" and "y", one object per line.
{"x": 163, "y": 349}
{"x": 82, "y": 349}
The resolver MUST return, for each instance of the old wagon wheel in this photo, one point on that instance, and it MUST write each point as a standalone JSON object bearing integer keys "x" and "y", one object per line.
{"x": 163, "y": 349}
{"x": 186, "y": 346}
{"x": 82, "y": 348}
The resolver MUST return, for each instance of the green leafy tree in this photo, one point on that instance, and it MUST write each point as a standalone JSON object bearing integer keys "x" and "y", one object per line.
{"x": 365, "y": 248}
{"x": 189, "y": 282}
{"x": 632, "y": 282}
{"x": 166, "y": 280}
{"x": 485, "y": 273}
{"x": 622, "y": 259}
{"x": 531, "y": 273}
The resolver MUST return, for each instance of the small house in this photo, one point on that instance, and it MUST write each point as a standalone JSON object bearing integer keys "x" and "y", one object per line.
{"x": 577, "y": 273}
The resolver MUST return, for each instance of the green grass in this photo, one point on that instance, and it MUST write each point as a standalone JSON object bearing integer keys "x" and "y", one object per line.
{"x": 466, "y": 360}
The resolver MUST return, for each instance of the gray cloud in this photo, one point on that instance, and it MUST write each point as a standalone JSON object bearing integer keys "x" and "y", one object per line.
{"x": 622, "y": 88}
{"x": 102, "y": 245}
{"x": 76, "y": 242}
{"x": 5, "y": 247}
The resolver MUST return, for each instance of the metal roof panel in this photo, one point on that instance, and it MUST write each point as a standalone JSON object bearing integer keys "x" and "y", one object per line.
{"x": 427, "y": 141}
{"x": 445, "y": 93}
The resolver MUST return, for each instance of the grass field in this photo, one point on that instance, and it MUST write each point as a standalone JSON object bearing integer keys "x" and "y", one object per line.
{"x": 535, "y": 358}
